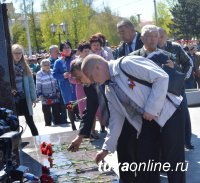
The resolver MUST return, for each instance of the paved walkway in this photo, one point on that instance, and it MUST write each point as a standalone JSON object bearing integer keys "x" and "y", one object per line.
{"x": 192, "y": 157}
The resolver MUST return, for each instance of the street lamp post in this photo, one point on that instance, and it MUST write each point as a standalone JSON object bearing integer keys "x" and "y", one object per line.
{"x": 155, "y": 9}
{"x": 63, "y": 27}
{"x": 27, "y": 30}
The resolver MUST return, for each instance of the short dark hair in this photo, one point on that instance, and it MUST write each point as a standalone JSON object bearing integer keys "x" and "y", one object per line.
{"x": 94, "y": 39}
{"x": 125, "y": 22}
{"x": 76, "y": 65}
{"x": 99, "y": 34}
{"x": 83, "y": 45}
{"x": 63, "y": 44}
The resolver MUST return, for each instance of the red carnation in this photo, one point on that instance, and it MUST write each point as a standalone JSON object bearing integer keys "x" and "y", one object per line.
{"x": 69, "y": 106}
{"x": 49, "y": 150}
{"x": 46, "y": 149}
{"x": 45, "y": 170}
{"x": 43, "y": 147}
{"x": 46, "y": 178}
{"x": 62, "y": 55}
{"x": 50, "y": 161}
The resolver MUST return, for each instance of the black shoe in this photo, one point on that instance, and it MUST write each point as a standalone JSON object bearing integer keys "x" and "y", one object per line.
{"x": 78, "y": 118}
{"x": 94, "y": 135}
{"x": 103, "y": 131}
{"x": 74, "y": 127}
{"x": 189, "y": 146}
{"x": 63, "y": 122}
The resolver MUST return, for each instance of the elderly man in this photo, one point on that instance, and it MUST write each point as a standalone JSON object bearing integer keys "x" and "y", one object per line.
{"x": 139, "y": 104}
{"x": 182, "y": 59}
{"x": 184, "y": 64}
{"x": 94, "y": 99}
{"x": 54, "y": 54}
{"x": 131, "y": 38}
{"x": 150, "y": 37}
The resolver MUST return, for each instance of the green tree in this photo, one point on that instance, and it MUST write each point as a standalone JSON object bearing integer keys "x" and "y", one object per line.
{"x": 81, "y": 19}
{"x": 164, "y": 16}
{"x": 104, "y": 22}
{"x": 135, "y": 21}
{"x": 35, "y": 31}
{"x": 18, "y": 28}
{"x": 75, "y": 13}
{"x": 186, "y": 19}
{"x": 171, "y": 3}
{"x": 18, "y": 33}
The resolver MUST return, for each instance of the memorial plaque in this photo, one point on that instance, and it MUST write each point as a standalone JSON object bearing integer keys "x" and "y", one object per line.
{"x": 65, "y": 166}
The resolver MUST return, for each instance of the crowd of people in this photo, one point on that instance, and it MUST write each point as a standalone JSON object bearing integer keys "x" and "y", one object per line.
{"x": 145, "y": 121}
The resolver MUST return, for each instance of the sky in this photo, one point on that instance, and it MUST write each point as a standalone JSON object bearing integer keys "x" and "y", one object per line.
{"x": 124, "y": 8}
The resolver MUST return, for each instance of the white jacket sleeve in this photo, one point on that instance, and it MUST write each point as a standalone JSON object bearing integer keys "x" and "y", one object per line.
{"x": 116, "y": 122}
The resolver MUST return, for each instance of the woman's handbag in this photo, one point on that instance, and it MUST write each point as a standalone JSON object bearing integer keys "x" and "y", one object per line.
{"x": 19, "y": 96}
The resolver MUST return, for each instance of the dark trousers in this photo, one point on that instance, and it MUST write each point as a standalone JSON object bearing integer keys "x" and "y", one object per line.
{"x": 22, "y": 110}
{"x": 187, "y": 121}
{"x": 63, "y": 111}
{"x": 126, "y": 151}
{"x": 48, "y": 114}
{"x": 71, "y": 115}
{"x": 197, "y": 81}
{"x": 171, "y": 140}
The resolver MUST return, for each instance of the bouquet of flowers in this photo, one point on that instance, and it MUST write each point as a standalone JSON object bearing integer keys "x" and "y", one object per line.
{"x": 46, "y": 149}
{"x": 70, "y": 106}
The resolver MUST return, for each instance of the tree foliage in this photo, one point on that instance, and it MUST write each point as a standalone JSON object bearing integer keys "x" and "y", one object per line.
{"x": 135, "y": 21}
{"x": 18, "y": 27}
{"x": 186, "y": 19}
{"x": 171, "y": 3}
{"x": 75, "y": 13}
{"x": 81, "y": 18}
{"x": 164, "y": 16}
{"x": 104, "y": 22}
{"x": 82, "y": 21}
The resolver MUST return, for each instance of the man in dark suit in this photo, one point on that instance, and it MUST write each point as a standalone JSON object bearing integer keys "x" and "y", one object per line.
{"x": 92, "y": 103}
{"x": 130, "y": 37}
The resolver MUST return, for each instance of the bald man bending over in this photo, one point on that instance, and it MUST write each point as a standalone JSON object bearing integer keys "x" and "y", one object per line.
{"x": 137, "y": 103}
